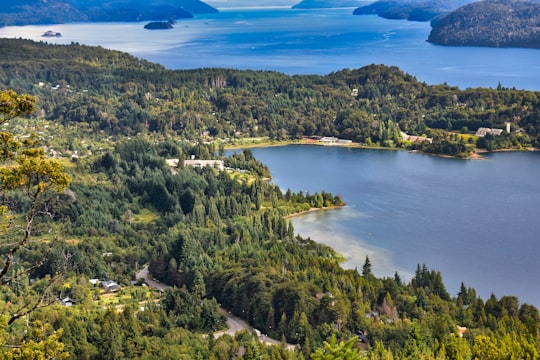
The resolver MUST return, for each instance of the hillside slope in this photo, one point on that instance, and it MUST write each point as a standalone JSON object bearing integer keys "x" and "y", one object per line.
{"x": 414, "y": 10}
{"x": 28, "y": 12}
{"x": 227, "y": 103}
{"x": 490, "y": 23}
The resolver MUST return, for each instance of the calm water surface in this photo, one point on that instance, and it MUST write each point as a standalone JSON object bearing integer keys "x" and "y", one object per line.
{"x": 304, "y": 42}
{"x": 475, "y": 221}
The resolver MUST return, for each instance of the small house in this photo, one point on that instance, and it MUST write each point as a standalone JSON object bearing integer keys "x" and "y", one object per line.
{"x": 67, "y": 301}
{"x": 110, "y": 286}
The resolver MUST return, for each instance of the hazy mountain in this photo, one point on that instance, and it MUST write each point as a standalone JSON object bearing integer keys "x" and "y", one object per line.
{"x": 490, "y": 23}
{"x": 25, "y": 12}
{"x": 250, "y": 3}
{"x": 318, "y": 4}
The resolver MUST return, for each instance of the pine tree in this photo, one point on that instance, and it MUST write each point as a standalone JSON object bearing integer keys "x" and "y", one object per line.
{"x": 366, "y": 268}
{"x": 25, "y": 168}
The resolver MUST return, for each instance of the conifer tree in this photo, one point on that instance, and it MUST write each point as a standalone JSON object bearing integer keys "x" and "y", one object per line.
{"x": 25, "y": 169}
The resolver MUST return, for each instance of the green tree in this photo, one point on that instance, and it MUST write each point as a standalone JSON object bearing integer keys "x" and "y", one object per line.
{"x": 332, "y": 350}
{"x": 39, "y": 343}
{"x": 366, "y": 268}
{"x": 24, "y": 169}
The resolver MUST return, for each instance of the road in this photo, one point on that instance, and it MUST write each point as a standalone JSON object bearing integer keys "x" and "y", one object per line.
{"x": 234, "y": 323}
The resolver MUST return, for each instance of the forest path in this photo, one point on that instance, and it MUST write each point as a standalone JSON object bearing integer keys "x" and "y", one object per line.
{"x": 234, "y": 323}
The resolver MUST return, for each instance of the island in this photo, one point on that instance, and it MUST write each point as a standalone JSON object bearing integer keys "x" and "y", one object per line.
{"x": 51, "y": 33}
{"x": 158, "y": 25}
{"x": 490, "y": 23}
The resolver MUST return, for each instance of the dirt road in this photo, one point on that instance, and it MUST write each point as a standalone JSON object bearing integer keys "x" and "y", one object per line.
{"x": 234, "y": 323}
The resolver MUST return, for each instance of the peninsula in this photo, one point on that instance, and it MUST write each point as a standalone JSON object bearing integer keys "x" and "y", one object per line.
{"x": 19, "y": 13}
{"x": 410, "y": 9}
{"x": 490, "y": 23}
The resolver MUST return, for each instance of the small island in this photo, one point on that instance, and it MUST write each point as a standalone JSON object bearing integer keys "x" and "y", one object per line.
{"x": 50, "y": 33}
{"x": 158, "y": 25}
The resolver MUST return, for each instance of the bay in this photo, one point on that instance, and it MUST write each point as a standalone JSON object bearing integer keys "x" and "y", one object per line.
{"x": 303, "y": 42}
{"x": 475, "y": 221}
{"x": 472, "y": 220}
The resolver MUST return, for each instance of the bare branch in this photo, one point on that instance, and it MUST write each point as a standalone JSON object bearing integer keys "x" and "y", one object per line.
{"x": 39, "y": 303}
{"x": 27, "y": 232}
{"x": 26, "y": 271}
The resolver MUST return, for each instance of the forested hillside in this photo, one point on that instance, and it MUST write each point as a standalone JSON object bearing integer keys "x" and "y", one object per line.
{"x": 490, "y": 23}
{"x": 220, "y": 238}
{"x": 120, "y": 95}
{"x": 25, "y": 12}
{"x": 413, "y": 10}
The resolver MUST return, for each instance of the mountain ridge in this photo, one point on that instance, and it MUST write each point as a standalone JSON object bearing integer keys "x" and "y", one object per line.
{"x": 491, "y": 24}
{"x": 324, "y": 4}
{"x": 413, "y": 10}
{"x": 32, "y": 12}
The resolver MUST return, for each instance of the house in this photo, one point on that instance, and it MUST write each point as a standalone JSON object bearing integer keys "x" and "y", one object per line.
{"x": 413, "y": 138}
{"x": 372, "y": 315}
{"x": 481, "y": 132}
{"x": 67, "y": 301}
{"x": 218, "y": 164}
{"x": 110, "y": 286}
{"x": 172, "y": 162}
{"x": 328, "y": 140}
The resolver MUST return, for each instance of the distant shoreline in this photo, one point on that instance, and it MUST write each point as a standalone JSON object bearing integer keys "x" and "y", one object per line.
{"x": 477, "y": 154}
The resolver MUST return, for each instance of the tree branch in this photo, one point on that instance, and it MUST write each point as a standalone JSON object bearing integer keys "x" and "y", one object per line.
{"x": 24, "y": 272}
{"x": 29, "y": 307}
{"x": 27, "y": 232}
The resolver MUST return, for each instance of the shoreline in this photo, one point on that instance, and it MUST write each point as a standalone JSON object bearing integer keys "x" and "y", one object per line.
{"x": 312, "y": 210}
{"x": 476, "y": 154}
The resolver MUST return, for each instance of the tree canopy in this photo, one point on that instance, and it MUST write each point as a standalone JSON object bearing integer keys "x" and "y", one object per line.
{"x": 218, "y": 237}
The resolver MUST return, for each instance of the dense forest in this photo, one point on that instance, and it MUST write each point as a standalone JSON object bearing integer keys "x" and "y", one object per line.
{"x": 498, "y": 23}
{"x": 87, "y": 188}
{"x": 413, "y": 10}
{"x": 26, "y": 12}
{"x": 111, "y": 93}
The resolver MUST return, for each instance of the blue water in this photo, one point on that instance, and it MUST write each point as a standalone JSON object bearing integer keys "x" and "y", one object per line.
{"x": 475, "y": 221}
{"x": 304, "y": 42}
{"x": 472, "y": 220}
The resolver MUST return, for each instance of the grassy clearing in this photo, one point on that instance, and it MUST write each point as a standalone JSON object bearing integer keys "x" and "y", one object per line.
{"x": 145, "y": 216}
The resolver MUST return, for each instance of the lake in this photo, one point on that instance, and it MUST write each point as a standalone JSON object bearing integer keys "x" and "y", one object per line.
{"x": 474, "y": 220}
{"x": 303, "y": 42}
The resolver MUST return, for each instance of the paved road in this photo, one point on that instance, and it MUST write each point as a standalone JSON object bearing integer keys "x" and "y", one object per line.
{"x": 234, "y": 323}
{"x": 145, "y": 275}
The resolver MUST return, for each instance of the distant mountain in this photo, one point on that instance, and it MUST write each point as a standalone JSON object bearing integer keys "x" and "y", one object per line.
{"x": 490, "y": 23}
{"x": 414, "y": 10}
{"x": 24, "y": 12}
{"x": 322, "y": 4}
